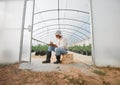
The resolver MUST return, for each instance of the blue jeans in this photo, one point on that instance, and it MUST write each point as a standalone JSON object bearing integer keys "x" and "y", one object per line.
{"x": 58, "y": 51}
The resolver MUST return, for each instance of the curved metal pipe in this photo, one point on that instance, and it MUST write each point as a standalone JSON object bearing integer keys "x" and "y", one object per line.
{"x": 73, "y": 34}
{"x": 72, "y": 37}
{"x": 75, "y": 39}
{"x": 62, "y": 10}
{"x": 63, "y": 25}
{"x": 66, "y": 28}
{"x": 67, "y": 33}
{"x": 62, "y": 19}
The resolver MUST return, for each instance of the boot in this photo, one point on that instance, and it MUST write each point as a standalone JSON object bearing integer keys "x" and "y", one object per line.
{"x": 58, "y": 59}
{"x": 48, "y": 57}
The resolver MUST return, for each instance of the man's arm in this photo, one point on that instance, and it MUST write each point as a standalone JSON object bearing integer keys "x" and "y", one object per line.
{"x": 52, "y": 44}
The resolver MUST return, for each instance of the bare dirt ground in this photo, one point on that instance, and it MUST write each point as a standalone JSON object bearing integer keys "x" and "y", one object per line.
{"x": 11, "y": 75}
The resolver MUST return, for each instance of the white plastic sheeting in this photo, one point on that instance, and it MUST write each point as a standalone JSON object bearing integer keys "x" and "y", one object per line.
{"x": 45, "y": 34}
{"x": 106, "y": 32}
{"x": 11, "y": 13}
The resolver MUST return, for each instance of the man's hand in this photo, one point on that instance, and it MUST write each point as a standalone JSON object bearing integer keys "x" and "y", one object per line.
{"x": 52, "y": 44}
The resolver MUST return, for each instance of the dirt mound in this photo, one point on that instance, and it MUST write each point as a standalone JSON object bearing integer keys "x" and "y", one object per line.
{"x": 11, "y": 75}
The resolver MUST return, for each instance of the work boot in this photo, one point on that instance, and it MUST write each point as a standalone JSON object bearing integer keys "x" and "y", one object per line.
{"x": 48, "y": 57}
{"x": 58, "y": 59}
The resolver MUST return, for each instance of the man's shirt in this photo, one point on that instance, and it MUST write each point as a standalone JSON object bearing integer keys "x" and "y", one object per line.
{"x": 62, "y": 43}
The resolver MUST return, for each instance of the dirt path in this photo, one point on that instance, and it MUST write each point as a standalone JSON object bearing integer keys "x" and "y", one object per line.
{"x": 81, "y": 62}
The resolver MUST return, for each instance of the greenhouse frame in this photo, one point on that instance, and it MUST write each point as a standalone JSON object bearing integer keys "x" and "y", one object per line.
{"x": 24, "y": 23}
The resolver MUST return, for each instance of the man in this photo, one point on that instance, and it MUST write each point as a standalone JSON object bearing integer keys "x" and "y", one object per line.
{"x": 59, "y": 48}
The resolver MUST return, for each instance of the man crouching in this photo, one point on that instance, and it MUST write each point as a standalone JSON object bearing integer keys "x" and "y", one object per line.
{"x": 59, "y": 48}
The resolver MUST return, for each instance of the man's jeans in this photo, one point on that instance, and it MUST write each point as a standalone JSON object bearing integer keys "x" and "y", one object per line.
{"x": 57, "y": 50}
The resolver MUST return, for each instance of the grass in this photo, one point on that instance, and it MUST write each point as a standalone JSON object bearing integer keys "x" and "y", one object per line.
{"x": 3, "y": 65}
{"x": 54, "y": 83}
{"x": 99, "y": 72}
{"x": 74, "y": 81}
{"x": 47, "y": 75}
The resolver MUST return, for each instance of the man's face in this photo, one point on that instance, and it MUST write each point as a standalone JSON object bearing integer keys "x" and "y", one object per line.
{"x": 58, "y": 36}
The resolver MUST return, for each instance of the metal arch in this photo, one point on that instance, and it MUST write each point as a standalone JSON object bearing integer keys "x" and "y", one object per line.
{"x": 74, "y": 37}
{"x": 73, "y": 34}
{"x": 63, "y": 25}
{"x": 77, "y": 37}
{"x": 62, "y": 10}
{"x": 62, "y": 19}
{"x": 44, "y": 41}
{"x": 69, "y": 29}
{"x": 58, "y": 14}
{"x": 69, "y": 33}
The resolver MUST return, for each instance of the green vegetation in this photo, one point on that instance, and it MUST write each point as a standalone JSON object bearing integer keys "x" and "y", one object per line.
{"x": 99, "y": 72}
{"x": 85, "y": 50}
{"x": 40, "y": 49}
{"x": 4, "y": 65}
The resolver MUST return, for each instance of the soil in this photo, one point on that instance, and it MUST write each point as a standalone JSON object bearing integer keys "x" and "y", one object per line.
{"x": 11, "y": 75}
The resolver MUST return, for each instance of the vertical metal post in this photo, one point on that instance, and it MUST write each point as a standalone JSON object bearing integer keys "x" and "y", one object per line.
{"x": 58, "y": 15}
{"x": 92, "y": 33}
{"x": 32, "y": 28}
{"x": 22, "y": 31}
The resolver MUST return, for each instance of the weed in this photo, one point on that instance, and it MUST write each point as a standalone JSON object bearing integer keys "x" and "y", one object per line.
{"x": 99, "y": 72}
{"x": 47, "y": 75}
{"x": 4, "y": 65}
{"x": 66, "y": 76}
{"x": 54, "y": 83}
